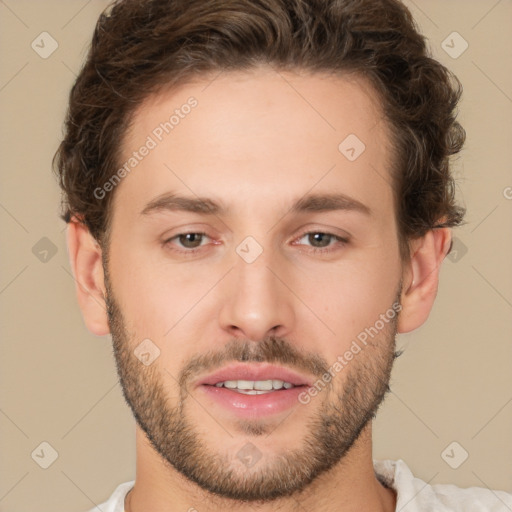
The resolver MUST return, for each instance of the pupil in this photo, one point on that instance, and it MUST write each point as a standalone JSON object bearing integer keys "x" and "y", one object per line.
{"x": 191, "y": 240}
{"x": 317, "y": 237}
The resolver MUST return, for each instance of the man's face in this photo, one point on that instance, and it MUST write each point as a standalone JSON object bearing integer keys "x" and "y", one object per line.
{"x": 279, "y": 287}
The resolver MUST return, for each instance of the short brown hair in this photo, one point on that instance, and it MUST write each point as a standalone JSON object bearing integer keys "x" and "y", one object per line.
{"x": 141, "y": 46}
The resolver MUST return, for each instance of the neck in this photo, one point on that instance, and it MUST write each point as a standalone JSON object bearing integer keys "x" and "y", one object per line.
{"x": 348, "y": 487}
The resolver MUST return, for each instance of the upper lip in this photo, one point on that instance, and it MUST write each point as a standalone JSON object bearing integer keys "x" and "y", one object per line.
{"x": 260, "y": 371}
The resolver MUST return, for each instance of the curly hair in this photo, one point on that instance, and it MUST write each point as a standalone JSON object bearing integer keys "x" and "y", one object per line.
{"x": 140, "y": 47}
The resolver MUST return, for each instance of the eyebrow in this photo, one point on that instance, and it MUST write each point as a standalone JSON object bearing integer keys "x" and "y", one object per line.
{"x": 206, "y": 206}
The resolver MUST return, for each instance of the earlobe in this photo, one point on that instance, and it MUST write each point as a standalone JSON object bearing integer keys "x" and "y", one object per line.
{"x": 421, "y": 278}
{"x": 86, "y": 263}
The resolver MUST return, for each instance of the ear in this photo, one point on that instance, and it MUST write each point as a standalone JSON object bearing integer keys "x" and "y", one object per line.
{"x": 86, "y": 263}
{"x": 421, "y": 278}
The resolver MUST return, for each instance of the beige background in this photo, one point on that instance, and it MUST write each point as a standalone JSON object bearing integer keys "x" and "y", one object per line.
{"x": 58, "y": 381}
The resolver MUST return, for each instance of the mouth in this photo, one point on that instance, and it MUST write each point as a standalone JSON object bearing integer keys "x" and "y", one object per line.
{"x": 255, "y": 387}
{"x": 254, "y": 390}
{"x": 255, "y": 377}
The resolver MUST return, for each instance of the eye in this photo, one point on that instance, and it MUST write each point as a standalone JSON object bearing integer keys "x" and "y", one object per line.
{"x": 323, "y": 242}
{"x": 189, "y": 242}
{"x": 319, "y": 241}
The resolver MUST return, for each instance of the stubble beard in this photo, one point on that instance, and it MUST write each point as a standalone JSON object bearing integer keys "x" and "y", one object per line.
{"x": 330, "y": 432}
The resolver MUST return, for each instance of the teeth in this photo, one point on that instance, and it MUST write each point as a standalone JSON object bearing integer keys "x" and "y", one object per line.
{"x": 264, "y": 385}
{"x": 245, "y": 384}
{"x": 255, "y": 387}
{"x": 251, "y": 391}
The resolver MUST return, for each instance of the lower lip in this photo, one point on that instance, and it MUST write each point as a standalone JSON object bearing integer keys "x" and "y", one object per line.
{"x": 254, "y": 405}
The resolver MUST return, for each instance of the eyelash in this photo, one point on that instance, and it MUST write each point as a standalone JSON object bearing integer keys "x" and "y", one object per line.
{"x": 315, "y": 250}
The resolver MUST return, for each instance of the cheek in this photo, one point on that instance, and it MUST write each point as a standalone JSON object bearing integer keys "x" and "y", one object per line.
{"x": 138, "y": 289}
{"x": 333, "y": 299}
{"x": 351, "y": 295}
{"x": 160, "y": 300}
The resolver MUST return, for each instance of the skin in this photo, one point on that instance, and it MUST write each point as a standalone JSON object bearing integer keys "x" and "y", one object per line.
{"x": 257, "y": 142}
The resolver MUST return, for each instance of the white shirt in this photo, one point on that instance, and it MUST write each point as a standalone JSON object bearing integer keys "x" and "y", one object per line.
{"x": 413, "y": 494}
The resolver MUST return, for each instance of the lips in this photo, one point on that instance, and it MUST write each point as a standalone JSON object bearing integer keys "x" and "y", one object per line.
{"x": 246, "y": 402}
{"x": 255, "y": 372}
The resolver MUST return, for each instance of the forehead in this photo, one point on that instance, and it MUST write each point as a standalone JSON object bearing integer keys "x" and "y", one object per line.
{"x": 262, "y": 132}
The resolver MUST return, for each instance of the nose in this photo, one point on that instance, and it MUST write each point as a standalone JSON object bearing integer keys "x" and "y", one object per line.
{"x": 256, "y": 301}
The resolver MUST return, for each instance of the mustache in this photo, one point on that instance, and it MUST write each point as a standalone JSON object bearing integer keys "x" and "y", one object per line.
{"x": 272, "y": 349}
